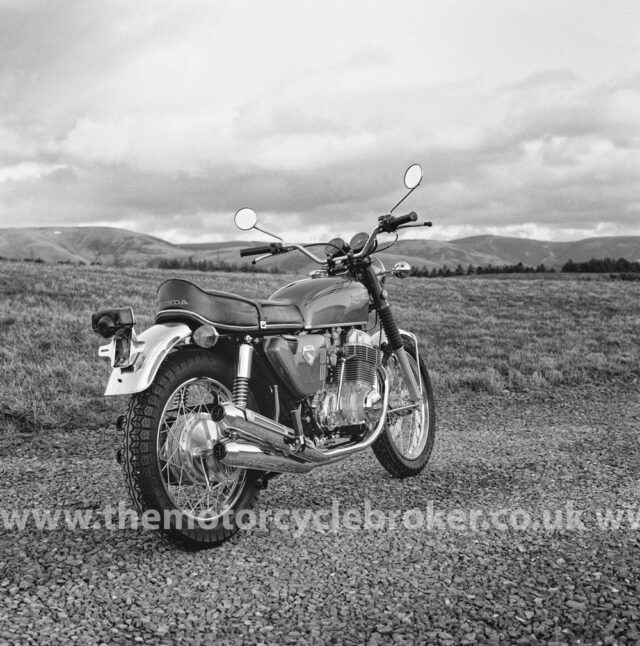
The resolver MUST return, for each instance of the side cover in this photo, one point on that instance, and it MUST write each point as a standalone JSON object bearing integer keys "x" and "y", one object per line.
{"x": 301, "y": 361}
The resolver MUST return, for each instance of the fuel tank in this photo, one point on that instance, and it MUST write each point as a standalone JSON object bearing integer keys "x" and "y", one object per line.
{"x": 327, "y": 302}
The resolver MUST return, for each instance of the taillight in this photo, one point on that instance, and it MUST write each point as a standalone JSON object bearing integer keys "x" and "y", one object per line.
{"x": 109, "y": 323}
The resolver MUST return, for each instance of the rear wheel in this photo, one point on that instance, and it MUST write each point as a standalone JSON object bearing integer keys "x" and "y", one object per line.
{"x": 167, "y": 455}
{"x": 404, "y": 446}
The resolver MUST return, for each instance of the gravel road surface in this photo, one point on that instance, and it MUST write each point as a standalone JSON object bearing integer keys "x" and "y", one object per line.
{"x": 436, "y": 577}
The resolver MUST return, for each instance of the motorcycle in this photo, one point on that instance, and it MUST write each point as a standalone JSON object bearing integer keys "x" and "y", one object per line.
{"x": 227, "y": 392}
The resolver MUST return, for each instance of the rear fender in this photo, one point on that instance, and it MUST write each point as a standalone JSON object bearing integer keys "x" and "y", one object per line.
{"x": 154, "y": 344}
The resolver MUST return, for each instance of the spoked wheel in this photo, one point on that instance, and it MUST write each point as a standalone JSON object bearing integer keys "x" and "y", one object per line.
{"x": 196, "y": 483}
{"x": 405, "y": 445}
{"x": 169, "y": 437}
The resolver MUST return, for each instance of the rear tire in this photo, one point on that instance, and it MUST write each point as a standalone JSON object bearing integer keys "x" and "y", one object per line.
{"x": 168, "y": 466}
{"x": 402, "y": 448}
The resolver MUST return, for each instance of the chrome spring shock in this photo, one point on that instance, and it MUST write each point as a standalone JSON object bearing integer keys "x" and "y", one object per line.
{"x": 240, "y": 392}
{"x": 241, "y": 381}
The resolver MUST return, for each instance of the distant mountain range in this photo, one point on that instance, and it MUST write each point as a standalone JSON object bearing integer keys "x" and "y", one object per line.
{"x": 119, "y": 247}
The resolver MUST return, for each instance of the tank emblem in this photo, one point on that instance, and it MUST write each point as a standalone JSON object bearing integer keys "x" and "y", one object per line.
{"x": 309, "y": 354}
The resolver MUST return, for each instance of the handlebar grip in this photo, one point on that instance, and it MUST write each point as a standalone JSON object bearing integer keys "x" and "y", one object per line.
{"x": 389, "y": 224}
{"x": 254, "y": 251}
{"x": 405, "y": 219}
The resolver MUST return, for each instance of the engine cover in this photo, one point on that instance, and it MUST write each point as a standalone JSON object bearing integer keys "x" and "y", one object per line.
{"x": 357, "y": 404}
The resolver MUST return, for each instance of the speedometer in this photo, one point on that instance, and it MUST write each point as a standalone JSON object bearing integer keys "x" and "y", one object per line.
{"x": 359, "y": 241}
{"x": 335, "y": 247}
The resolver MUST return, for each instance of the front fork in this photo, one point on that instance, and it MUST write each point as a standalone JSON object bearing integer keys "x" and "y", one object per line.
{"x": 391, "y": 330}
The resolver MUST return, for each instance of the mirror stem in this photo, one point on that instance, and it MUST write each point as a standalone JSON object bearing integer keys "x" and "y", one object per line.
{"x": 273, "y": 235}
{"x": 401, "y": 201}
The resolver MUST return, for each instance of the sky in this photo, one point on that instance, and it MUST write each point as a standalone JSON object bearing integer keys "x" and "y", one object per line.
{"x": 165, "y": 117}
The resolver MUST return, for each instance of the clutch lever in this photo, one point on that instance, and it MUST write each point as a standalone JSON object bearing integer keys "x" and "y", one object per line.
{"x": 271, "y": 255}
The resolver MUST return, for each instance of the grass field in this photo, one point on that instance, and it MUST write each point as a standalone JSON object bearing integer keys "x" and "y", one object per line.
{"x": 538, "y": 412}
{"x": 477, "y": 335}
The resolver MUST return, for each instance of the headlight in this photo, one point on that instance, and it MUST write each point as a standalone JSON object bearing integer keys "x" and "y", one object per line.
{"x": 377, "y": 265}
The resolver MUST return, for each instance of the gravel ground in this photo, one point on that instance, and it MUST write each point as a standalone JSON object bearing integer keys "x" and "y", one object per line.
{"x": 445, "y": 582}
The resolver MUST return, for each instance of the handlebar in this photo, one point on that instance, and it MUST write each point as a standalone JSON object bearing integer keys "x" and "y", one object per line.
{"x": 273, "y": 248}
{"x": 386, "y": 224}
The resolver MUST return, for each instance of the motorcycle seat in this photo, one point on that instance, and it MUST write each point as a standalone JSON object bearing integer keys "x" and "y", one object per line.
{"x": 179, "y": 299}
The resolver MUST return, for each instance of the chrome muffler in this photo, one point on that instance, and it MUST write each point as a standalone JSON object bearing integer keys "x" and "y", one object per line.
{"x": 250, "y": 456}
{"x": 264, "y": 444}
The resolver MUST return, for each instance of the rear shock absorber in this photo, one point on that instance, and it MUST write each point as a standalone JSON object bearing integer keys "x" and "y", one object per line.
{"x": 243, "y": 374}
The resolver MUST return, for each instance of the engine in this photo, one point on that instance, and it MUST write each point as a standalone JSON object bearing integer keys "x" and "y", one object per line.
{"x": 350, "y": 396}
{"x": 336, "y": 373}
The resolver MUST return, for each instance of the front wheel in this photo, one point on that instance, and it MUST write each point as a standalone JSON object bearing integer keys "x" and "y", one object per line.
{"x": 404, "y": 446}
{"x": 168, "y": 458}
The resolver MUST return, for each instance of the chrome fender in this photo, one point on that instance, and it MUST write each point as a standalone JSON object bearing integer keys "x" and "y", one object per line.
{"x": 380, "y": 337}
{"x": 154, "y": 344}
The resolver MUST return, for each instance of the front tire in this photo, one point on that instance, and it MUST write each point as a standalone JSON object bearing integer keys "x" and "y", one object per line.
{"x": 405, "y": 445}
{"x": 167, "y": 457}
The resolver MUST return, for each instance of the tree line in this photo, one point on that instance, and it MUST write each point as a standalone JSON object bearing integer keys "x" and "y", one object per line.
{"x": 620, "y": 266}
{"x": 473, "y": 270}
{"x": 602, "y": 266}
{"x": 193, "y": 264}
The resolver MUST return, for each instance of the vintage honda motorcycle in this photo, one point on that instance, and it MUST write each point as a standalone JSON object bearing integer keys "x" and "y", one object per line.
{"x": 227, "y": 392}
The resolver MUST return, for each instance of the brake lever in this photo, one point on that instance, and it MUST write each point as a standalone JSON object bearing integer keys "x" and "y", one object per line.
{"x": 419, "y": 224}
{"x": 264, "y": 256}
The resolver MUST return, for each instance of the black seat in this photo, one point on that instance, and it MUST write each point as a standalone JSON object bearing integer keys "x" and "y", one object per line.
{"x": 228, "y": 312}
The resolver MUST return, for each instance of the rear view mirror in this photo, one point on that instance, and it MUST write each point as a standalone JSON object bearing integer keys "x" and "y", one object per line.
{"x": 412, "y": 179}
{"x": 401, "y": 269}
{"x": 413, "y": 176}
{"x": 246, "y": 219}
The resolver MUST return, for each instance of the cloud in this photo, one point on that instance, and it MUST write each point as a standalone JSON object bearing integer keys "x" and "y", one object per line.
{"x": 167, "y": 120}
{"x": 27, "y": 171}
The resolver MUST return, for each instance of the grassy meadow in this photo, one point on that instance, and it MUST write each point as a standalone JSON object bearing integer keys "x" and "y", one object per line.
{"x": 478, "y": 335}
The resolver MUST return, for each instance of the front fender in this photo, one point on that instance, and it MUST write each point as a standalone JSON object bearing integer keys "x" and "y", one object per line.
{"x": 158, "y": 341}
{"x": 380, "y": 337}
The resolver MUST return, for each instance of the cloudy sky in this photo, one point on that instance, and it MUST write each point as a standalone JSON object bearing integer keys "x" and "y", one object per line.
{"x": 167, "y": 116}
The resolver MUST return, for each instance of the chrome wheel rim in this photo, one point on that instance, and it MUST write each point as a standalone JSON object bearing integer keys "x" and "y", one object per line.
{"x": 198, "y": 485}
{"x": 408, "y": 430}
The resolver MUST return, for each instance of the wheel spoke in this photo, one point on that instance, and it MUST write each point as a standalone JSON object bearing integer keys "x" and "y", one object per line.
{"x": 408, "y": 432}
{"x": 185, "y": 437}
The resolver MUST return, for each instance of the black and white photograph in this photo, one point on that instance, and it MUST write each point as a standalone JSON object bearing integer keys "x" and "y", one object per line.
{"x": 319, "y": 322}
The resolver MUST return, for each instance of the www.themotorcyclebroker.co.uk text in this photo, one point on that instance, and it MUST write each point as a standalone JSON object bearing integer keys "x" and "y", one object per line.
{"x": 333, "y": 519}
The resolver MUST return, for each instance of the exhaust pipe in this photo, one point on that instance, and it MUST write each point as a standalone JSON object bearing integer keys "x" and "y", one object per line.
{"x": 256, "y": 428}
{"x": 267, "y": 445}
{"x": 250, "y": 456}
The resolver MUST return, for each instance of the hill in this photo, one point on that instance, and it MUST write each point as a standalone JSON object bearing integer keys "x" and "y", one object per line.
{"x": 83, "y": 245}
{"x": 119, "y": 247}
